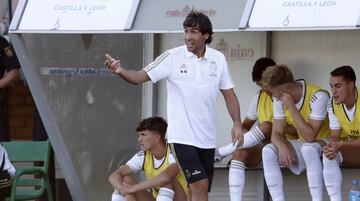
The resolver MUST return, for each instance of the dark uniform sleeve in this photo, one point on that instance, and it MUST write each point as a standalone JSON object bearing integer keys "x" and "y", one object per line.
{"x": 7, "y": 55}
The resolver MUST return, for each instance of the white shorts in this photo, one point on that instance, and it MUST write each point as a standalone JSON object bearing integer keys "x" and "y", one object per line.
{"x": 300, "y": 166}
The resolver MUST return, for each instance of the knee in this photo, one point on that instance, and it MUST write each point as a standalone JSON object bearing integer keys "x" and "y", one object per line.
{"x": 240, "y": 155}
{"x": 269, "y": 153}
{"x": 330, "y": 164}
{"x": 169, "y": 185}
{"x": 311, "y": 150}
{"x": 237, "y": 154}
{"x": 200, "y": 187}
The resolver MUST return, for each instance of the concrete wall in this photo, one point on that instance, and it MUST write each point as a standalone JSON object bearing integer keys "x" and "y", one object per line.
{"x": 89, "y": 114}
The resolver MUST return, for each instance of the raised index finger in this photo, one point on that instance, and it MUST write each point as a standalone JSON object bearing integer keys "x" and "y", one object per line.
{"x": 108, "y": 57}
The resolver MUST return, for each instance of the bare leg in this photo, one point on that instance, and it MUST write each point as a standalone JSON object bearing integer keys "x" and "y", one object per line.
{"x": 180, "y": 194}
{"x": 199, "y": 190}
{"x": 138, "y": 196}
{"x": 252, "y": 138}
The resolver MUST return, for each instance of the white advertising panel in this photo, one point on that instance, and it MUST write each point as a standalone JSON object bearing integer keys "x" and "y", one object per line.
{"x": 78, "y": 15}
{"x": 304, "y": 14}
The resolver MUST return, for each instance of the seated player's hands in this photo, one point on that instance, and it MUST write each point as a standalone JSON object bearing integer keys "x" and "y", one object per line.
{"x": 288, "y": 101}
{"x": 237, "y": 135}
{"x": 287, "y": 156}
{"x": 330, "y": 150}
{"x": 112, "y": 64}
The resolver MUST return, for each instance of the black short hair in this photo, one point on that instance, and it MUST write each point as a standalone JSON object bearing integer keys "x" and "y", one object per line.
{"x": 347, "y": 72}
{"x": 195, "y": 18}
{"x": 259, "y": 66}
{"x": 153, "y": 124}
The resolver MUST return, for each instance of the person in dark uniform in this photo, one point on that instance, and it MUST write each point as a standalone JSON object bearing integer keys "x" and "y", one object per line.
{"x": 9, "y": 63}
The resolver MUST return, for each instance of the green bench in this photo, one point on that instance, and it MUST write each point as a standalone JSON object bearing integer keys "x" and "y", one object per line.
{"x": 31, "y": 160}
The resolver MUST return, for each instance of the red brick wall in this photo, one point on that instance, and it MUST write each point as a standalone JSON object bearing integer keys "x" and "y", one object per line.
{"x": 21, "y": 111}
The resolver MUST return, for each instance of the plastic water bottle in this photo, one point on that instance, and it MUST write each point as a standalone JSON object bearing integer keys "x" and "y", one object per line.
{"x": 354, "y": 191}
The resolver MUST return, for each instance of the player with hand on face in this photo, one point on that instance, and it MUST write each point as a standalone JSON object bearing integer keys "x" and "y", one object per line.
{"x": 303, "y": 106}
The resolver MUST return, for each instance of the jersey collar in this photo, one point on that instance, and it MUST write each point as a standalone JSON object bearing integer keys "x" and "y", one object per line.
{"x": 190, "y": 54}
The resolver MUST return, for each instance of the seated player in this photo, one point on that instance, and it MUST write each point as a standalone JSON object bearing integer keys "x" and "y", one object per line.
{"x": 165, "y": 180}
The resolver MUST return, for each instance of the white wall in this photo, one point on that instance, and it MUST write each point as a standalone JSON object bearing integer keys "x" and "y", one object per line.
{"x": 314, "y": 54}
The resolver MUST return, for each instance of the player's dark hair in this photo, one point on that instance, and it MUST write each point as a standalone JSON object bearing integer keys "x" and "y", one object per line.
{"x": 259, "y": 66}
{"x": 194, "y": 19}
{"x": 153, "y": 124}
{"x": 347, "y": 72}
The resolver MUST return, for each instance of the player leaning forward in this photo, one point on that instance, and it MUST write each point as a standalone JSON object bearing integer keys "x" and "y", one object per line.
{"x": 303, "y": 106}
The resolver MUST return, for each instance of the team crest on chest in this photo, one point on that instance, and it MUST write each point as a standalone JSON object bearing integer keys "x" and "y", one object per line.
{"x": 213, "y": 68}
{"x": 183, "y": 69}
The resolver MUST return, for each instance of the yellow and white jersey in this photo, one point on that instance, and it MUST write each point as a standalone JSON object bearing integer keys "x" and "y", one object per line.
{"x": 265, "y": 108}
{"x": 261, "y": 109}
{"x": 346, "y": 120}
{"x": 312, "y": 105}
{"x": 144, "y": 160}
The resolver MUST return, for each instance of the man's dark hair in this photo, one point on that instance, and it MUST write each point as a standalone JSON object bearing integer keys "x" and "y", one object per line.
{"x": 195, "y": 18}
{"x": 346, "y": 72}
{"x": 153, "y": 124}
{"x": 259, "y": 66}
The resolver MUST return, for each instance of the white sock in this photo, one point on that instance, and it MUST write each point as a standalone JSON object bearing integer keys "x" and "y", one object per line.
{"x": 272, "y": 172}
{"x": 116, "y": 196}
{"x": 165, "y": 194}
{"x": 227, "y": 149}
{"x": 311, "y": 153}
{"x": 332, "y": 178}
{"x": 236, "y": 180}
{"x": 251, "y": 138}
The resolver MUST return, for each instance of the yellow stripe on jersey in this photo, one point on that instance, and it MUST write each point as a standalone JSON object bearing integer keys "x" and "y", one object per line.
{"x": 349, "y": 129}
{"x": 156, "y": 61}
{"x": 150, "y": 170}
{"x": 305, "y": 111}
